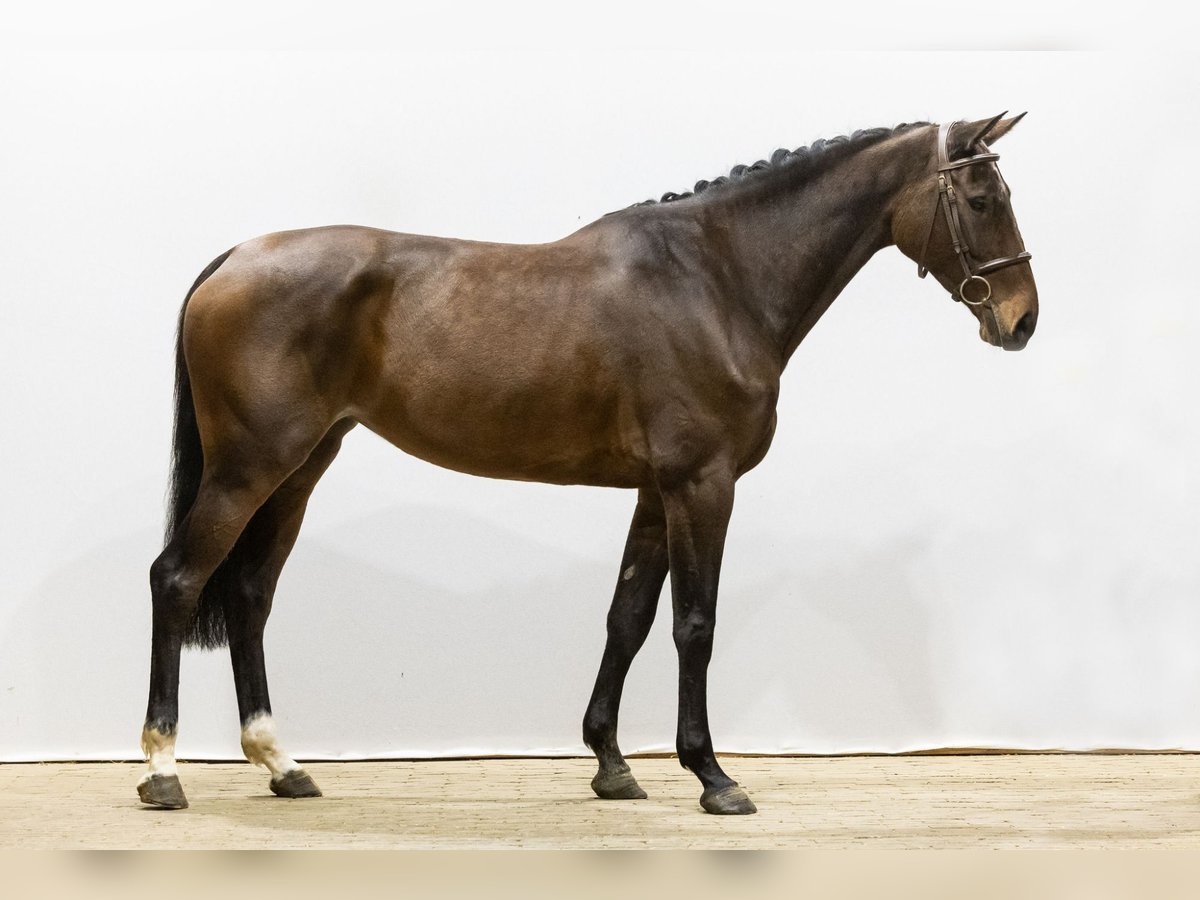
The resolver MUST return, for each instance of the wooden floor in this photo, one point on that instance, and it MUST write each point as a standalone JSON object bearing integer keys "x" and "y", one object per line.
{"x": 899, "y": 802}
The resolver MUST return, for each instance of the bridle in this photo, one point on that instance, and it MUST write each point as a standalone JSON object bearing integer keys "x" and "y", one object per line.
{"x": 947, "y": 202}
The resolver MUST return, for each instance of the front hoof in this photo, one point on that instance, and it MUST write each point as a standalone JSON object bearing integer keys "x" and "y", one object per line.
{"x": 617, "y": 786}
{"x": 727, "y": 801}
{"x": 163, "y": 791}
{"x": 294, "y": 784}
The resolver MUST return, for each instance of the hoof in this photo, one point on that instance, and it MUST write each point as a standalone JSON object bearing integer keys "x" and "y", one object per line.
{"x": 293, "y": 784}
{"x": 163, "y": 791}
{"x": 617, "y": 786}
{"x": 727, "y": 801}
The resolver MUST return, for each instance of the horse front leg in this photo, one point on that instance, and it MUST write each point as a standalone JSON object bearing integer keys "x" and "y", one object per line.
{"x": 639, "y": 584}
{"x": 697, "y": 515}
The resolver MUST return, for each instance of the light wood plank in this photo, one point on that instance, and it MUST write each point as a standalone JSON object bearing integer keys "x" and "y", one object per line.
{"x": 894, "y": 802}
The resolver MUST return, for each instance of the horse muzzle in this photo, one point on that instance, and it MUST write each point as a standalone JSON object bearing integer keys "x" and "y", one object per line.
{"x": 1001, "y": 331}
{"x": 1021, "y": 332}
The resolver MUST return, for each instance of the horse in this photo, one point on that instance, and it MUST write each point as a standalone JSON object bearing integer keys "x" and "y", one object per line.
{"x": 643, "y": 351}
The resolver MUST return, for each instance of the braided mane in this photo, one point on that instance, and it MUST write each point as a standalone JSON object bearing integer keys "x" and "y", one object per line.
{"x": 803, "y": 161}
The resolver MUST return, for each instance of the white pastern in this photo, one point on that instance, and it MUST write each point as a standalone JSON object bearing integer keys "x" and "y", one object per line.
{"x": 261, "y": 747}
{"x": 160, "y": 752}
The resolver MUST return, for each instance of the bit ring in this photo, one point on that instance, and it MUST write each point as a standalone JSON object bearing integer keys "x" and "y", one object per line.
{"x": 962, "y": 295}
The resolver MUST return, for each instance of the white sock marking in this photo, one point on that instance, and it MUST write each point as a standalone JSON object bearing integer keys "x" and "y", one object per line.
{"x": 160, "y": 752}
{"x": 260, "y": 746}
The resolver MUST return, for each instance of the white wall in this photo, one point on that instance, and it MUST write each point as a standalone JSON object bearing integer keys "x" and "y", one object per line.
{"x": 947, "y": 545}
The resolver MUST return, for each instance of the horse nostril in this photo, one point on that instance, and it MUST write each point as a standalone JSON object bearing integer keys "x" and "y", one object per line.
{"x": 1024, "y": 329}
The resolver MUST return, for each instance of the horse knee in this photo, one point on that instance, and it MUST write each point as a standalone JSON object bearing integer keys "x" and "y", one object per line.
{"x": 693, "y": 632}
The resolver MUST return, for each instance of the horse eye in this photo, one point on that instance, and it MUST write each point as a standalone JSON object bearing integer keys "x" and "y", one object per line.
{"x": 979, "y": 204}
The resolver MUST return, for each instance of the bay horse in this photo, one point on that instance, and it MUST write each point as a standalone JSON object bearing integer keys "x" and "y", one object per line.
{"x": 643, "y": 351}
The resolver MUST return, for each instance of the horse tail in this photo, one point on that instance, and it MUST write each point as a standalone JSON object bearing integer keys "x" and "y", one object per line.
{"x": 207, "y": 627}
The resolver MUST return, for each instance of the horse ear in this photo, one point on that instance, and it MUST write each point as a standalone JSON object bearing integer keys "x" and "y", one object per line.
{"x": 991, "y": 129}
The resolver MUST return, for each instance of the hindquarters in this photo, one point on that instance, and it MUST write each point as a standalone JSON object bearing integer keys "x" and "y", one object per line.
{"x": 265, "y": 359}
{"x": 274, "y": 342}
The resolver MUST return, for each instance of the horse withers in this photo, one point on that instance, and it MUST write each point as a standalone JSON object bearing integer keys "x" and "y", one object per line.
{"x": 644, "y": 351}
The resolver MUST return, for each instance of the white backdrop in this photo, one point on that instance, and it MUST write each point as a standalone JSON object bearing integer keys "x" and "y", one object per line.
{"x": 947, "y": 545}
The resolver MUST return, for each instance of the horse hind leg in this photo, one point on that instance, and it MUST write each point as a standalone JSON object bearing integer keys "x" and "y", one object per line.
{"x": 235, "y": 483}
{"x": 251, "y": 573}
{"x": 177, "y": 577}
{"x": 643, "y": 571}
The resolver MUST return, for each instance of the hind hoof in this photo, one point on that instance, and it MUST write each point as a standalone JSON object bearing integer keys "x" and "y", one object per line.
{"x": 294, "y": 784}
{"x": 617, "y": 786}
{"x": 162, "y": 791}
{"x": 727, "y": 801}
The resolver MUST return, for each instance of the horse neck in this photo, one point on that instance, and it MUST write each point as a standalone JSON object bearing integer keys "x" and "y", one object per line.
{"x": 794, "y": 248}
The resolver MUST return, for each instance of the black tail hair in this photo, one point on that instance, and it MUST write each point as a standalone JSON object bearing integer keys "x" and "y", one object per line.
{"x": 207, "y": 628}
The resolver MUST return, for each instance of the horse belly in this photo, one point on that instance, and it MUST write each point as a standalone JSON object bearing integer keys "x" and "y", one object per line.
{"x": 516, "y": 407}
